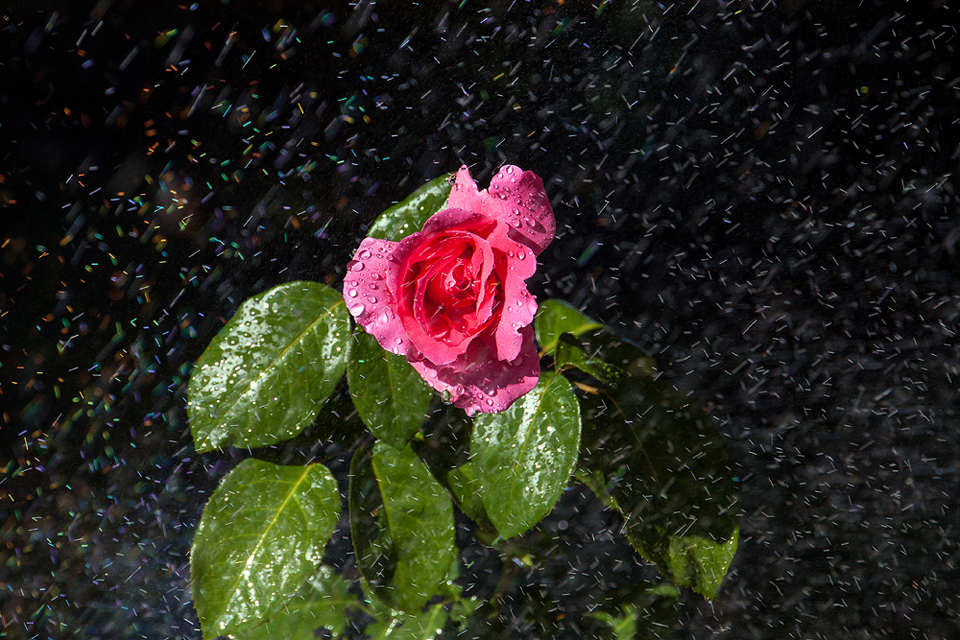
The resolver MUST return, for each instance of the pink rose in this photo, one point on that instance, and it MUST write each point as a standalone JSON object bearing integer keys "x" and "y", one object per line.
{"x": 452, "y": 297}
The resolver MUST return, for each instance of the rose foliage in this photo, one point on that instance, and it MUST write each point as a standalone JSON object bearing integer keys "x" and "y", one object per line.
{"x": 439, "y": 289}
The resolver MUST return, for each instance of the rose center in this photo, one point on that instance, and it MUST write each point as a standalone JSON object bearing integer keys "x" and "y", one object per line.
{"x": 455, "y": 289}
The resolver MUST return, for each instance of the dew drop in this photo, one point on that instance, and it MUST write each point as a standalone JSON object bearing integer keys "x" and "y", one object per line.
{"x": 371, "y": 300}
{"x": 352, "y": 293}
{"x": 446, "y": 397}
{"x": 372, "y": 286}
{"x": 489, "y": 402}
{"x": 365, "y": 255}
{"x": 356, "y": 310}
{"x": 356, "y": 265}
{"x": 399, "y": 341}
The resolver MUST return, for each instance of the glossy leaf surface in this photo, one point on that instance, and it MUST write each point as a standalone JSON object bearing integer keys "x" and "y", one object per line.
{"x": 523, "y": 457}
{"x": 266, "y": 374}
{"x": 604, "y": 355}
{"x": 466, "y": 487}
{"x": 260, "y": 536}
{"x": 556, "y": 317}
{"x": 402, "y": 526}
{"x": 408, "y": 216}
{"x": 321, "y": 602}
{"x": 659, "y": 459}
{"x": 391, "y": 397}
{"x": 397, "y": 625}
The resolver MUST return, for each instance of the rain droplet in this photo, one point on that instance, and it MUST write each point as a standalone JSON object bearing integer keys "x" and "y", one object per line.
{"x": 372, "y": 286}
{"x": 352, "y": 293}
{"x": 399, "y": 341}
{"x": 356, "y": 265}
{"x": 357, "y": 309}
{"x": 371, "y": 300}
{"x": 364, "y": 255}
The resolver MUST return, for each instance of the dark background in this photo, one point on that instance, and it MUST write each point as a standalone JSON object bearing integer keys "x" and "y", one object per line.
{"x": 760, "y": 193}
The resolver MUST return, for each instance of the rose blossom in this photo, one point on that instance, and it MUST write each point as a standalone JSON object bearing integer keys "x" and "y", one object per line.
{"x": 451, "y": 298}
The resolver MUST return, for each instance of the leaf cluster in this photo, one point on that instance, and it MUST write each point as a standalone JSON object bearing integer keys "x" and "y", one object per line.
{"x": 598, "y": 414}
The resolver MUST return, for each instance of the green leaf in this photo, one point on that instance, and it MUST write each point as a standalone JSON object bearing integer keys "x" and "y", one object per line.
{"x": 321, "y": 602}
{"x": 266, "y": 374}
{"x": 604, "y": 355}
{"x": 407, "y": 217}
{"x": 397, "y": 625}
{"x": 523, "y": 456}
{"x": 390, "y": 396}
{"x": 402, "y": 526}
{"x": 659, "y": 459}
{"x": 603, "y": 351}
{"x": 640, "y": 610}
{"x": 466, "y": 487}
{"x": 260, "y": 536}
{"x": 556, "y": 317}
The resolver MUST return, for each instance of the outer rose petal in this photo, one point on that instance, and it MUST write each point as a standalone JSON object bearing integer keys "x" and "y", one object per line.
{"x": 515, "y": 316}
{"x": 367, "y": 295}
{"x": 464, "y": 194}
{"x": 519, "y": 199}
{"x": 477, "y": 381}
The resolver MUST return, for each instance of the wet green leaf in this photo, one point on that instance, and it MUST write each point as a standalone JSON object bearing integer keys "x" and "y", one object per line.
{"x": 408, "y": 216}
{"x": 398, "y": 625}
{"x": 402, "y": 526}
{"x": 556, "y": 317}
{"x": 640, "y": 610}
{"x": 266, "y": 374}
{"x": 390, "y": 396}
{"x": 604, "y": 355}
{"x": 321, "y": 602}
{"x": 659, "y": 459}
{"x": 466, "y": 487}
{"x": 260, "y": 536}
{"x": 523, "y": 457}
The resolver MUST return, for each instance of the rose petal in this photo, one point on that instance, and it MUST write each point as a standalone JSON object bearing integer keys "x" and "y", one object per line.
{"x": 368, "y": 297}
{"x": 434, "y": 350}
{"x": 517, "y": 314}
{"x": 518, "y": 198}
{"x": 464, "y": 194}
{"x": 477, "y": 381}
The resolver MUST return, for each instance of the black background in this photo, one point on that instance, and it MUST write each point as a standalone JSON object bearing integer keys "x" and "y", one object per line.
{"x": 760, "y": 193}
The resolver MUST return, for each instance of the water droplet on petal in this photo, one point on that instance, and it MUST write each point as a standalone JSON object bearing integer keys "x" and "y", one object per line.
{"x": 446, "y": 397}
{"x": 372, "y": 286}
{"x": 352, "y": 293}
{"x": 371, "y": 300}
{"x": 399, "y": 341}
{"x": 357, "y": 309}
{"x": 364, "y": 255}
{"x": 356, "y": 265}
